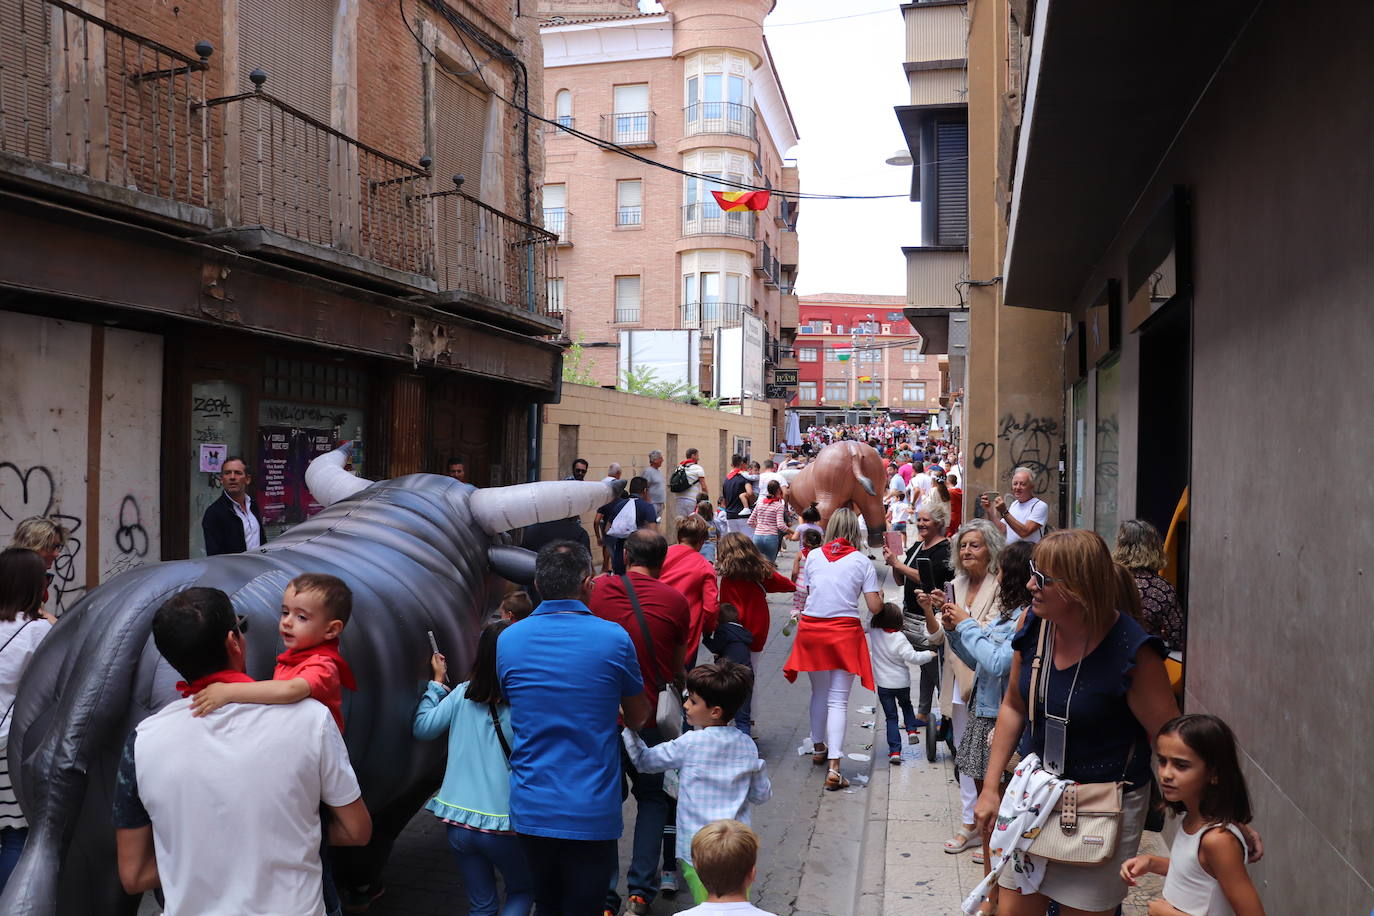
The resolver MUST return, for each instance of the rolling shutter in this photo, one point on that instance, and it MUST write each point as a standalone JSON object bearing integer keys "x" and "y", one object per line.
{"x": 460, "y": 126}
{"x": 951, "y": 177}
{"x": 25, "y": 87}
{"x": 292, "y": 40}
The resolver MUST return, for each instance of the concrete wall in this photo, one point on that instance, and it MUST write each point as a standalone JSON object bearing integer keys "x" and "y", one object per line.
{"x": 617, "y": 426}
{"x": 1279, "y": 638}
{"x": 80, "y": 442}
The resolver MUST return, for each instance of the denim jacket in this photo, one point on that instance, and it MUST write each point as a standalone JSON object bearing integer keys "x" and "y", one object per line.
{"x": 988, "y": 650}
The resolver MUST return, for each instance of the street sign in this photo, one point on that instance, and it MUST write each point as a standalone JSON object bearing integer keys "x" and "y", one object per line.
{"x": 785, "y": 376}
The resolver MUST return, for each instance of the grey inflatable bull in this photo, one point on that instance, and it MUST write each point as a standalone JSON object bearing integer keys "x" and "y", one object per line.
{"x": 420, "y": 553}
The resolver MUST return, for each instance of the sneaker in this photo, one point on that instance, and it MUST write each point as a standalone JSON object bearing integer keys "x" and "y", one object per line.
{"x": 667, "y": 885}
{"x": 358, "y": 899}
{"x": 637, "y": 905}
{"x": 913, "y": 736}
{"x": 895, "y": 757}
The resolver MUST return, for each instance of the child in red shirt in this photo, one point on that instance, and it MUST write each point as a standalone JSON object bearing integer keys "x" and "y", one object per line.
{"x": 314, "y": 611}
{"x": 746, "y": 577}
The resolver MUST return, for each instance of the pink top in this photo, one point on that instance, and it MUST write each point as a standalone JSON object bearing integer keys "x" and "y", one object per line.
{"x": 767, "y": 517}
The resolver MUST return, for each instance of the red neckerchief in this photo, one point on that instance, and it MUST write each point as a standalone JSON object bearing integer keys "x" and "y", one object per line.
{"x": 772, "y": 499}
{"x": 329, "y": 649}
{"x": 219, "y": 677}
{"x": 733, "y": 472}
{"x": 836, "y": 549}
{"x": 888, "y": 630}
{"x": 683, "y": 464}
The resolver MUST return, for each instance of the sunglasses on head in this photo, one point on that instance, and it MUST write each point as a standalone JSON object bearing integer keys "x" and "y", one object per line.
{"x": 1040, "y": 578}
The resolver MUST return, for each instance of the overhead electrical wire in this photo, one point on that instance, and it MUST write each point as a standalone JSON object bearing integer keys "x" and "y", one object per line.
{"x": 624, "y": 151}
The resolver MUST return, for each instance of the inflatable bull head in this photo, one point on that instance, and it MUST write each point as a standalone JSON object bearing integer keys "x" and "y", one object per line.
{"x": 844, "y": 474}
{"x": 420, "y": 553}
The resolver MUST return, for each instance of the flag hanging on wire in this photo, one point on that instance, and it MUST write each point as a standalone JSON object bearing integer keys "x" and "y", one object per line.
{"x": 737, "y": 201}
{"x": 865, "y": 378}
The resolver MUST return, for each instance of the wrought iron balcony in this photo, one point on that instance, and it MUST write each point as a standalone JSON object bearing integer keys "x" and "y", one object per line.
{"x": 709, "y": 219}
{"x": 711, "y": 315}
{"x": 558, "y": 220}
{"x": 767, "y": 265}
{"x": 720, "y": 118}
{"x": 628, "y": 128}
{"x": 83, "y": 96}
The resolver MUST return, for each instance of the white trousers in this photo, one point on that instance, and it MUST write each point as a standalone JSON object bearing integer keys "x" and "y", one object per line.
{"x": 968, "y": 793}
{"x": 830, "y": 708}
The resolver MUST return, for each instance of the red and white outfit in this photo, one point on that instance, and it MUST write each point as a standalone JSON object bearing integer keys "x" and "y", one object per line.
{"x": 323, "y": 668}
{"x": 831, "y": 644}
{"x": 750, "y": 598}
{"x": 767, "y": 518}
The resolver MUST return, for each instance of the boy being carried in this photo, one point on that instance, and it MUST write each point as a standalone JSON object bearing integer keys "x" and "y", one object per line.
{"x": 719, "y": 771}
{"x": 726, "y": 853}
{"x": 314, "y": 611}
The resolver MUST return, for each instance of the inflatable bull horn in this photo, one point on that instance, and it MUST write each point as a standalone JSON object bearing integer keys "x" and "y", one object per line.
{"x": 420, "y": 553}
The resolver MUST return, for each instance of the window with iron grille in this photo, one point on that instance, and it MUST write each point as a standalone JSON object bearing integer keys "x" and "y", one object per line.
{"x": 629, "y": 199}
{"x": 556, "y": 289}
{"x": 298, "y": 380}
{"x": 626, "y": 300}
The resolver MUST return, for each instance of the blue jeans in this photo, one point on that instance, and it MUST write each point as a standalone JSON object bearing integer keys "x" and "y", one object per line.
{"x": 651, "y": 813}
{"x": 569, "y": 875}
{"x": 768, "y": 545}
{"x": 480, "y": 856}
{"x": 11, "y": 845}
{"x": 891, "y": 698}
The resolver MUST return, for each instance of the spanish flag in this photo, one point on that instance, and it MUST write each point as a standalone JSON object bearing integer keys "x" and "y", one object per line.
{"x": 736, "y": 201}
{"x": 865, "y": 378}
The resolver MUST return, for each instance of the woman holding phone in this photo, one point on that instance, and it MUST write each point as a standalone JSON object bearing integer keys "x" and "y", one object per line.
{"x": 925, "y": 569}
{"x": 977, "y": 552}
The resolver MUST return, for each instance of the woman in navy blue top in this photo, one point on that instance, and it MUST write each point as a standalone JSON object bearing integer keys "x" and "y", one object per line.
{"x": 1106, "y": 676}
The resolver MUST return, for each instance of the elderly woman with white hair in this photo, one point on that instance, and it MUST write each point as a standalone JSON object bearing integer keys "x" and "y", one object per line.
{"x": 925, "y": 568}
{"x": 831, "y": 644}
{"x": 977, "y": 550}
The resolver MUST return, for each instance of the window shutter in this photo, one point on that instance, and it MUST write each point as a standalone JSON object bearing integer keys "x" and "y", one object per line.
{"x": 555, "y": 196}
{"x": 292, "y": 40}
{"x": 634, "y": 98}
{"x": 460, "y": 126}
{"x": 629, "y": 193}
{"x": 25, "y": 81}
{"x": 951, "y": 176}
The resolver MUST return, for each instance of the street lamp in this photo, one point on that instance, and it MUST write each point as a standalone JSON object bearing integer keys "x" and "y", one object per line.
{"x": 901, "y": 157}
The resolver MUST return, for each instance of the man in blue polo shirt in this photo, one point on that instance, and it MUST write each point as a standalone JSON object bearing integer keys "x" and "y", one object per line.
{"x": 567, "y": 674}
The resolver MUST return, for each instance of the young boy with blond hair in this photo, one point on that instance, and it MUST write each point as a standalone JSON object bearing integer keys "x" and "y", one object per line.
{"x": 726, "y": 854}
{"x": 720, "y": 774}
{"x": 314, "y": 611}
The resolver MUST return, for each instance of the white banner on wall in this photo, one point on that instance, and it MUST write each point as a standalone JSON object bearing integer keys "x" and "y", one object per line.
{"x": 752, "y": 355}
{"x": 729, "y": 364}
{"x": 674, "y": 356}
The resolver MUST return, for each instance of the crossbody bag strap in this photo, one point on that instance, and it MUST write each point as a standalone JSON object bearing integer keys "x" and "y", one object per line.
{"x": 500, "y": 735}
{"x": 643, "y": 625}
{"x": 1037, "y": 666}
{"x": 9, "y": 709}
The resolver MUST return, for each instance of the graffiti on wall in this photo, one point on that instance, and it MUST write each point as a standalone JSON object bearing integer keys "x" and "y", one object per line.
{"x": 1030, "y": 444}
{"x": 26, "y": 493}
{"x": 130, "y": 539}
{"x": 982, "y": 453}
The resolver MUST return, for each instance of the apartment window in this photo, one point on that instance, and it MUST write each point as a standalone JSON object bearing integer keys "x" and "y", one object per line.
{"x": 806, "y": 354}
{"x": 555, "y": 290}
{"x": 887, "y": 329}
{"x": 825, "y": 327}
{"x": 806, "y": 391}
{"x": 839, "y": 329}
{"x": 631, "y": 117}
{"x": 870, "y": 355}
{"x": 718, "y": 102}
{"x": 715, "y": 296}
{"x": 836, "y": 391}
{"x": 626, "y": 300}
{"x": 832, "y": 355}
{"x": 556, "y": 208}
{"x": 629, "y": 201}
{"x": 562, "y": 108}
{"x": 870, "y": 391}
{"x": 912, "y": 355}
{"x": 913, "y": 392}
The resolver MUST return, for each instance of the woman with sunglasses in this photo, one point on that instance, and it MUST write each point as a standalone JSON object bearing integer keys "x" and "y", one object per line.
{"x": 23, "y": 625}
{"x": 1104, "y": 680}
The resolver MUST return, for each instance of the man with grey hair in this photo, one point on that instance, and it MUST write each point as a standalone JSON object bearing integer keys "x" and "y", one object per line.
{"x": 612, "y": 473}
{"x": 658, "y": 484}
{"x": 1025, "y": 518}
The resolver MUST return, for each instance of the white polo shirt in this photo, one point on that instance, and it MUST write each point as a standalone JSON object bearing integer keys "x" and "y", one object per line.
{"x": 233, "y": 798}
{"x": 1032, "y": 510}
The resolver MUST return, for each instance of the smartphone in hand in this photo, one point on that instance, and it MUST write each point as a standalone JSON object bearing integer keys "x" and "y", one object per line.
{"x": 949, "y": 592}
{"x": 927, "y": 571}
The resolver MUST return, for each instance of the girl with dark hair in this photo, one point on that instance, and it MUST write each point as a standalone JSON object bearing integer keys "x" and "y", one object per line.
{"x": 1199, "y": 774}
{"x": 23, "y": 580}
{"x": 474, "y": 800}
{"x": 769, "y": 522}
{"x": 746, "y": 577}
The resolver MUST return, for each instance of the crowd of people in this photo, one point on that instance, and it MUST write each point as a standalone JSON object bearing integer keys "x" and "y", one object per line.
{"x": 1042, "y": 656}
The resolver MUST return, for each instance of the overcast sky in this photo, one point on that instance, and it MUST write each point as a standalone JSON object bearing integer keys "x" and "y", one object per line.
{"x": 842, "y": 78}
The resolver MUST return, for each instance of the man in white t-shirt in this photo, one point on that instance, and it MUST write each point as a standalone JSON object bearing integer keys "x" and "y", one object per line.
{"x": 1025, "y": 518}
{"x": 687, "y": 500}
{"x": 222, "y": 810}
{"x": 771, "y": 472}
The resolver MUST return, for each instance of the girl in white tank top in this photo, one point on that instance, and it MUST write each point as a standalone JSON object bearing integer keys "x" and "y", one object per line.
{"x": 1200, "y": 777}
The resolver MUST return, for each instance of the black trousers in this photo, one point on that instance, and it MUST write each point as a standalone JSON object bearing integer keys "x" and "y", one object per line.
{"x": 570, "y": 876}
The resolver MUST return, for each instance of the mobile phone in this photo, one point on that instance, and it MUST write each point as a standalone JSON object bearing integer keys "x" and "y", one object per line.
{"x": 432, "y": 643}
{"x": 893, "y": 541}
{"x": 927, "y": 571}
{"x": 949, "y": 592}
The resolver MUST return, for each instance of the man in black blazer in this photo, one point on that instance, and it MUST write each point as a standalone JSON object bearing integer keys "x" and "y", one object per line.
{"x": 233, "y": 523}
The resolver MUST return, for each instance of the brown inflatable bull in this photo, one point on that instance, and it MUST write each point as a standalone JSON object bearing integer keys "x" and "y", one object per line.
{"x": 844, "y": 474}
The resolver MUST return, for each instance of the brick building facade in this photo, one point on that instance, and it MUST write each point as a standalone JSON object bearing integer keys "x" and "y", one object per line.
{"x": 857, "y": 352}
{"x": 641, "y": 247}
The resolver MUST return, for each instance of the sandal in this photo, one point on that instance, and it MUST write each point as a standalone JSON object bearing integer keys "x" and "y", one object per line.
{"x": 977, "y": 856}
{"x": 819, "y": 754}
{"x": 960, "y": 842}
{"x": 834, "y": 781}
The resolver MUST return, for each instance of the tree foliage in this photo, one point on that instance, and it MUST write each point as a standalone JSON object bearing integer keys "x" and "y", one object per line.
{"x": 578, "y": 364}
{"x": 644, "y": 380}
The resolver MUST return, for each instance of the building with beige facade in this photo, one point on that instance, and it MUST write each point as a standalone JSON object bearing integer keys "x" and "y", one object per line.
{"x": 857, "y": 353}
{"x": 643, "y": 248}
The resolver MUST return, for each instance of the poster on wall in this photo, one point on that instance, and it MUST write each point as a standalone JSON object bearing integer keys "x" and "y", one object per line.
{"x": 284, "y": 452}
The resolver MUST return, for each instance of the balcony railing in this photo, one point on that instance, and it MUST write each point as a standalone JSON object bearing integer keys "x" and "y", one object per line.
{"x": 304, "y": 179}
{"x": 85, "y": 96}
{"x": 708, "y": 316}
{"x": 709, "y": 219}
{"x": 628, "y": 128}
{"x": 767, "y": 265}
{"x": 484, "y": 252}
{"x": 558, "y": 220}
{"x": 565, "y": 121}
{"x": 629, "y": 216}
{"x": 720, "y": 118}
{"x": 772, "y": 349}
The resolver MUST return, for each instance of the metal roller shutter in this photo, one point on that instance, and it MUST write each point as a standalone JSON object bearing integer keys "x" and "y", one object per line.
{"x": 293, "y": 41}
{"x": 951, "y": 176}
{"x": 25, "y": 84}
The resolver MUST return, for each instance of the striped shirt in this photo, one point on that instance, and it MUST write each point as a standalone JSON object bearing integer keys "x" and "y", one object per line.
{"x": 767, "y": 517}
{"x": 720, "y": 775}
